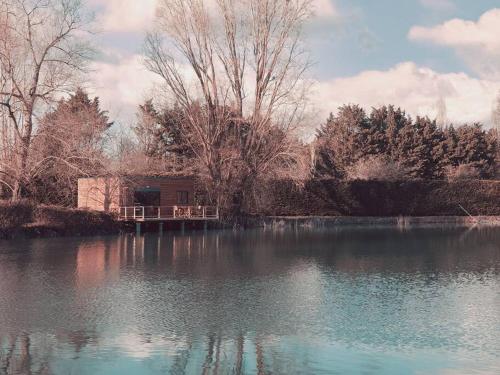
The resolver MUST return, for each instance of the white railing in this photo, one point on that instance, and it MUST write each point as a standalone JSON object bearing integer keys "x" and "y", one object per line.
{"x": 168, "y": 213}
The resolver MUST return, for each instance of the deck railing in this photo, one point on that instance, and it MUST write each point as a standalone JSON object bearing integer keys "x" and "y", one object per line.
{"x": 151, "y": 213}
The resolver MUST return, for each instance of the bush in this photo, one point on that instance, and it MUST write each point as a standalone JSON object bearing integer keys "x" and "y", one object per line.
{"x": 15, "y": 215}
{"x": 463, "y": 172}
{"x": 377, "y": 168}
{"x": 28, "y": 219}
{"x": 331, "y": 197}
{"x": 76, "y": 222}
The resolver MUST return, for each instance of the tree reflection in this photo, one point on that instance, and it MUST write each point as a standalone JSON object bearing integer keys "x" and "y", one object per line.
{"x": 206, "y": 303}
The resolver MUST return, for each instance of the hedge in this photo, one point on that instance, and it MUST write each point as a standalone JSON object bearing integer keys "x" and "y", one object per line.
{"x": 330, "y": 197}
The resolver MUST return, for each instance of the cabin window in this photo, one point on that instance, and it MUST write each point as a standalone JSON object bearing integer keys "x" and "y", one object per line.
{"x": 149, "y": 197}
{"x": 182, "y": 197}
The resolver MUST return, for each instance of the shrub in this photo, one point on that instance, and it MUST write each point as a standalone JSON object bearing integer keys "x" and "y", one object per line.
{"x": 377, "y": 168}
{"x": 331, "y": 197}
{"x": 14, "y": 215}
{"x": 72, "y": 221}
{"x": 463, "y": 172}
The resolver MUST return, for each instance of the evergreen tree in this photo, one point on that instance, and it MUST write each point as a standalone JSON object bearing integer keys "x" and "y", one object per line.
{"x": 476, "y": 148}
{"x": 338, "y": 141}
{"x": 70, "y": 143}
{"x": 160, "y": 132}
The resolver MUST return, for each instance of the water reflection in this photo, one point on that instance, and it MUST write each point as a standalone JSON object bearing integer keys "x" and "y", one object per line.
{"x": 310, "y": 301}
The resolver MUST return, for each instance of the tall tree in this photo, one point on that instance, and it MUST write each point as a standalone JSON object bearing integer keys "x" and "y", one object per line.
{"x": 338, "y": 141}
{"x": 160, "y": 133}
{"x": 473, "y": 146}
{"x": 70, "y": 142}
{"x": 40, "y": 53}
{"x": 246, "y": 68}
{"x": 442, "y": 113}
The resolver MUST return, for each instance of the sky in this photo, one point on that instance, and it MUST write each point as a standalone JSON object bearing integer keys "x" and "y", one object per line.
{"x": 410, "y": 53}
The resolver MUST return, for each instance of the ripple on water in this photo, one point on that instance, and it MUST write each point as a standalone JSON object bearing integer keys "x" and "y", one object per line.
{"x": 343, "y": 301}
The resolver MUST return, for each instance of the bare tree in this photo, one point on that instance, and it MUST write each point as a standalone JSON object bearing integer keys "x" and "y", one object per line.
{"x": 495, "y": 115}
{"x": 238, "y": 65}
{"x": 495, "y": 120}
{"x": 41, "y": 50}
{"x": 442, "y": 115}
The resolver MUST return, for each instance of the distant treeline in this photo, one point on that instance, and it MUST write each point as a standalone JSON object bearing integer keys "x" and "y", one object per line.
{"x": 389, "y": 145}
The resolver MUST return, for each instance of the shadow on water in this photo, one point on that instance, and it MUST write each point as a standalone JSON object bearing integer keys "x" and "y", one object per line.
{"x": 340, "y": 300}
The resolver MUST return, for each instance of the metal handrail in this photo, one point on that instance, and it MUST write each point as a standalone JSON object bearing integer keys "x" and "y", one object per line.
{"x": 168, "y": 212}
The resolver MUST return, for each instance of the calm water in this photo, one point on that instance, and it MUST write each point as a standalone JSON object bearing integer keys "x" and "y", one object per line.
{"x": 346, "y": 301}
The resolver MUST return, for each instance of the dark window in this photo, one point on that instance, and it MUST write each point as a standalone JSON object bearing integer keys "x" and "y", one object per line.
{"x": 182, "y": 197}
{"x": 147, "y": 197}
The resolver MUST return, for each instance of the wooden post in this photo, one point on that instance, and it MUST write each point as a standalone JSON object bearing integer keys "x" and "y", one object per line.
{"x": 143, "y": 212}
{"x": 160, "y": 229}
{"x": 183, "y": 226}
{"x": 204, "y": 210}
{"x": 138, "y": 228}
{"x": 205, "y": 225}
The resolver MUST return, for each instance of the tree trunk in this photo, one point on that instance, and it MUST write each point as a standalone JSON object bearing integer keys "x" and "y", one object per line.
{"x": 19, "y": 184}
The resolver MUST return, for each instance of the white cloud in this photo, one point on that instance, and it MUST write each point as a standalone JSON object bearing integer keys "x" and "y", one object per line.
{"x": 439, "y": 5}
{"x": 325, "y": 9}
{"x": 475, "y": 42}
{"x": 122, "y": 86}
{"x": 125, "y": 15}
{"x": 462, "y": 33}
{"x": 137, "y": 16}
{"x": 415, "y": 89}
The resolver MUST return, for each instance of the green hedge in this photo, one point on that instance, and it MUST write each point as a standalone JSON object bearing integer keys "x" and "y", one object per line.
{"x": 330, "y": 197}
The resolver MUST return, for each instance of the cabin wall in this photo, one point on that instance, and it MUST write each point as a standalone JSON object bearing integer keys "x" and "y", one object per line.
{"x": 110, "y": 193}
{"x": 168, "y": 186}
{"x": 99, "y": 194}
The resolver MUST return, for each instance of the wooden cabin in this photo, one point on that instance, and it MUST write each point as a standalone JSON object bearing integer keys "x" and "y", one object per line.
{"x": 110, "y": 194}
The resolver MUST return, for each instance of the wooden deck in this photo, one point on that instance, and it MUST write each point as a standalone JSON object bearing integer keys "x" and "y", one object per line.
{"x": 173, "y": 213}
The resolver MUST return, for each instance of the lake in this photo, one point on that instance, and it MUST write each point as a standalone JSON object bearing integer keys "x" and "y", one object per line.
{"x": 309, "y": 301}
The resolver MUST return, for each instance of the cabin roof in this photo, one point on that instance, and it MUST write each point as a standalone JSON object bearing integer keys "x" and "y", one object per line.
{"x": 137, "y": 176}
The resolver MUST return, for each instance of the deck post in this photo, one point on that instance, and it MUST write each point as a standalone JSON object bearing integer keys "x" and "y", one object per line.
{"x": 160, "y": 228}
{"x": 204, "y": 210}
{"x": 138, "y": 228}
{"x": 183, "y": 226}
{"x": 205, "y": 225}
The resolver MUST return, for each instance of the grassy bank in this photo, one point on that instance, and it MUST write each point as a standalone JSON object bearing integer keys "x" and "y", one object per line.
{"x": 329, "y": 197}
{"x": 27, "y": 220}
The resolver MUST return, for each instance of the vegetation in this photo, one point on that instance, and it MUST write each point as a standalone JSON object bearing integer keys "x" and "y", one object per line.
{"x": 23, "y": 218}
{"x": 333, "y": 197}
{"x": 41, "y": 50}
{"x": 234, "y": 121}
{"x": 389, "y": 145}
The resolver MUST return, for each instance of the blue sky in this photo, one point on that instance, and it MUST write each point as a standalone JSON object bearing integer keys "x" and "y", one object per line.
{"x": 409, "y": 53}
{"x": 387, "y": 23}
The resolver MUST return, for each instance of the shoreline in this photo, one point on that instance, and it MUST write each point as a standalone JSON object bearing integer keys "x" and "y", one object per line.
{"x": 375, "y": 221}
{"x": 41, "y": 230}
